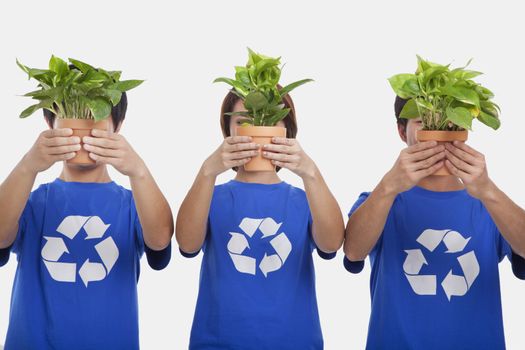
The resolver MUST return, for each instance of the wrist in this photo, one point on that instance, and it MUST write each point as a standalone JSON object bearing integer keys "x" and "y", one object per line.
{"x": 140, "y": 172}
{"x": 26, "y": 166}
{"x": 489, "y": 193}
{"x": 386, "y": 189}
{"x": 311, "y": 174}
{"x": 207, "y": 170}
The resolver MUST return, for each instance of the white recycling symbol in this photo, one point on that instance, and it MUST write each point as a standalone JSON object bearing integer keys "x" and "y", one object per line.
{"x": 55, "y": 247}
{"x": 453, "y": 285}
{"x": 238, "y": 244}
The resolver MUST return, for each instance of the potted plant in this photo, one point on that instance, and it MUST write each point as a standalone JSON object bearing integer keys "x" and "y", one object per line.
{"x": 447, "y": 101}
{"x": 257, "y": 84}
{"x": 80, "y": 96}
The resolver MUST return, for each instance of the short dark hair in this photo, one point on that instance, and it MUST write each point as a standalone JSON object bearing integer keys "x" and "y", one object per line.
{"x": 398, "y": 107}
{"x": 118, "y": 112}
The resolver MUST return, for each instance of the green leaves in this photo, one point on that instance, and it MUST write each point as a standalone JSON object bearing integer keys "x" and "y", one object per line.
{"x": 76, "y": 90}
{"x": 257, "y": 85}
{"x": 445, "y": 99}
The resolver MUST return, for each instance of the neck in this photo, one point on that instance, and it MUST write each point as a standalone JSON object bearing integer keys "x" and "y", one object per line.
{"x": 261, "y": 177}
{"x": 441, "y": 183}
{"x": 72, "y": 173}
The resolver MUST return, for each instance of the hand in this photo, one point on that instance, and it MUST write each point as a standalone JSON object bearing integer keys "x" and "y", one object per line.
{"x": 414, "y": 164}
{"x": 51, "y": 146}
{"x": 106, "y": 147}
{"x": 288, "y": 154}
{"x": 235, "y": 151}
{"x": 469, "y": 165}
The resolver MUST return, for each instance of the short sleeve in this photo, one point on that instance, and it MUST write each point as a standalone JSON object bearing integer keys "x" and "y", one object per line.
{"x": 157, "y": 259}
{"x": 23, "y": 223}
{"x": 505, "y": 250}
{"x": 355, "y": 266}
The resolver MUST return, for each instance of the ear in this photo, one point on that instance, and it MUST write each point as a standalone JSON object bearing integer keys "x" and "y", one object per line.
{"x": 402, "y": 130}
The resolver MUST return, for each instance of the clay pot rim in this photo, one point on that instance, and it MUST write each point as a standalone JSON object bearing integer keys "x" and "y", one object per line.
{"x": 442, "y": 135}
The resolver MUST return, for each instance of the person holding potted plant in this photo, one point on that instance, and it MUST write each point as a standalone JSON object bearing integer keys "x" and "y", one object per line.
{"x": 435, "y": 241}
{"x": 257, "y": 285}
{"x": 79, "y": 239}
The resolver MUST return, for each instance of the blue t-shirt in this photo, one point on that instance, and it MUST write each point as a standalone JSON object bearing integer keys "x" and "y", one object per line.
{"x": 78, "y": 249}
{"x": 435, "y": 280}
{"x": 257, "y": 283}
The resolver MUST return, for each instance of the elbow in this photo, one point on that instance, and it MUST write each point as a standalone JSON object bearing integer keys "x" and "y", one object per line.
{"x": 352, "y": 252}
{"x": 186, "y": 245}
{"x": 161, "y": 240}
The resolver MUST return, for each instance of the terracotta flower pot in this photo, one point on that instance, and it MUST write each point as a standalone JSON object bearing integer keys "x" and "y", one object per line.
{"x": 442, "y": 137}
{"x": 81, "y": 128}
{"x": 261, "y": 135}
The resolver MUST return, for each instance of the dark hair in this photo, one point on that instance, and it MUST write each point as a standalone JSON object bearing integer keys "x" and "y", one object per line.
{"x": 290, "y": 121}
{"x": 118, "y": 112}
{"x": 398, "y": 107}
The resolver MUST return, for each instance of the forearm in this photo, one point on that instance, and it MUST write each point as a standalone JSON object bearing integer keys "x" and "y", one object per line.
{"x": 328, "y": 224}
{"x": 14, "y": 193}
{"x": 192, "y": 219}
{"x": 508, "y": 217}
{"x": 153, "y": 210}
{"x": 366, "y": 224}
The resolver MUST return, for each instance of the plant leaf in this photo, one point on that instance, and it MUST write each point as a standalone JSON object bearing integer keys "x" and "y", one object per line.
{"x": 460, "y": 116}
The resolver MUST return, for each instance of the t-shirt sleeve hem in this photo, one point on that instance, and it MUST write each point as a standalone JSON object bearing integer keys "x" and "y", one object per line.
{"x": 353, "y": 266}
{"x": 518, "y": 265}
{"x": 326, "y": 256}
{"x": 158, "y": 259}
{"x": 189, "y": 255}
{"x": 4, "y": 255}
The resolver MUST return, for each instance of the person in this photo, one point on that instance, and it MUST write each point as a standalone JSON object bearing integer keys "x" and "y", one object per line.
{"x": 434, "y": 244}
{"x": 79, "y": 240}
{"x": 258, "y": 233}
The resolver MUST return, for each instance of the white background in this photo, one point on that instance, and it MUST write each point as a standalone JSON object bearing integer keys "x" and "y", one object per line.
{"x": 346, "y": 120}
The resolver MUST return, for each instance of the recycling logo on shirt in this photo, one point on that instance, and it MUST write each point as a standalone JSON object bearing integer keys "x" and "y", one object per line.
{"x": 453, "y": 285}
{"x": 55, "y": 248}
{"x": 239, "y": 243}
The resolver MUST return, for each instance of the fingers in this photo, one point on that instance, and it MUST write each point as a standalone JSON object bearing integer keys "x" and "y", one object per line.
{"x": 463, "y": 146}
{"x": 63, "y": 149}
{"x": 101, "y": 142}
{"x": 421, "y": 146}
{"x": 429, "y": 162}
{"x": 101, "y": 151}
{"x": 60, "y": 141}
{"x": 459, "y": 163}
{"x": 427, "y": 153}
{"x": 232, "y": 140}
{"x": 238, "y": 147}
{"x": 104, "y": 160}
{"x": 283, "y": 141}
{"x": 430, "y": 171}
{"x": 64, "y": 132}
{"x": 461, "y": 154}
{"x": 241, "y": 155}
{"x": 286, "y": 149}
{"x": 455, "y": 171}
{"x": 65, "y": 156}
{"x": 107, "y": 134}
{"x": 287, "y": 158}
